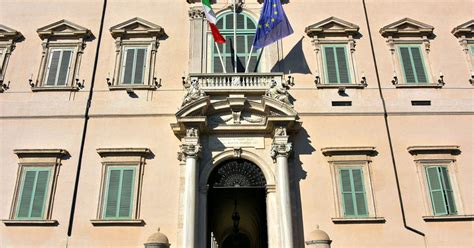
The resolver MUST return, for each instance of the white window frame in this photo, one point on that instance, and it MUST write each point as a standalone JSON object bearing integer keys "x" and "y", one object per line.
{"x": 121, "y": 157}
{"x": 48, "y": 67}
{"x": 148, "y": 61}
{"x": 322, "y": 63}
{"x": 37, "y": 158}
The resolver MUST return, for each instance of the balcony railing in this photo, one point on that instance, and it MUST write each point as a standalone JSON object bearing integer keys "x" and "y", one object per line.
{"x": 235, "y": 82}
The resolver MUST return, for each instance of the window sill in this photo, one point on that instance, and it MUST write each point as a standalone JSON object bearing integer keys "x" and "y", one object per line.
{"x": 132, "y": 87}
{"x": 431, "y": 85}
{"x": 447, "y": 218}
{"x": 365, "y": 220}
{"x": 336, "y": 86}
{"x": 30, "y": 222}
{"x": 138, "y": 222}
{"x": 54, "y": 88}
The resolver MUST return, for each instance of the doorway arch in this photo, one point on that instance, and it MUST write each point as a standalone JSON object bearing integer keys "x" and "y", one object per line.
{"x": 236, "y": 212}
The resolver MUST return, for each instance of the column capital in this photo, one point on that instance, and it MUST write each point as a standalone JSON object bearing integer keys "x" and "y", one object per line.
{"x": 190, "y": 146}
{"x": 196, "y": 13}
{"x": 280, "y": 146}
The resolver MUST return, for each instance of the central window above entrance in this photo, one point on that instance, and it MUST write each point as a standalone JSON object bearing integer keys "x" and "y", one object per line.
{"x": 245, "y": 33}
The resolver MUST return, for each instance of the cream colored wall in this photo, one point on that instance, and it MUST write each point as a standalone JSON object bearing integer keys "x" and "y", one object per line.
{"x": 54, "y": 120}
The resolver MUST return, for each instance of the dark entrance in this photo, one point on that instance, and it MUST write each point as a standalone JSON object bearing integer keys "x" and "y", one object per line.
{"x": 236, "y": 206}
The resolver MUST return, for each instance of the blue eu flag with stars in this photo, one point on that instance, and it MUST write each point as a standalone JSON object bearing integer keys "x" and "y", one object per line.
{"x": 273, "y": 24}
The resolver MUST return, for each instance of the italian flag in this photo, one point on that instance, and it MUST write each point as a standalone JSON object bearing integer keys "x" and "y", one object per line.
{"x": 211, "y": 18}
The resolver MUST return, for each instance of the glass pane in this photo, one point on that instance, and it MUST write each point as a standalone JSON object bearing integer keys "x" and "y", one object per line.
{"x": 53, "y": 68}
{"x": 240, "y": 21}
{"x": 140, "y": 66}
{"x": 241, "y": 47}
{"x": 128, "y": 66}
{"x": 217, "y": 64}
{"x": 229, "y": 22}
{"x": 220, "y": 24}
{"x": 64, "y": 68}
{"x": 250, "y": 24}
{"x": 433, "y": 178}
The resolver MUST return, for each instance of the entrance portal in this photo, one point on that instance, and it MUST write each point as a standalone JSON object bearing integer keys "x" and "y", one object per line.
{"x": 236, "y": 206}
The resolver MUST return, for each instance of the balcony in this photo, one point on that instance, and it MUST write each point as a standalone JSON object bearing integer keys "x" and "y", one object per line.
{"x": 215, "y": 83}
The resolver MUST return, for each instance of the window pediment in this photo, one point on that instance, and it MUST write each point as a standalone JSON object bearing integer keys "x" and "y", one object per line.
{"x": 465, "y": 29}
{"x": 9, "y": 34}
{"x": 64, "y": 29}
{"x": 407, "y": 27}
{"x": 137, "y": 27}
{"x": 332, "y": 26}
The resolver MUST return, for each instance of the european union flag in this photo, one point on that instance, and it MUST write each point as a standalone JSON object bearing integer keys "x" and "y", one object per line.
{"x": 273, "y": 24}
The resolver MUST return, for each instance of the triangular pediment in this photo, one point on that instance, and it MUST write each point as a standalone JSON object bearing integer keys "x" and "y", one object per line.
{"x": 136, "y": 27}
{"x": 63, "y": 28}
{"x": 407, "y": 27}
{"x": 7, "y": 33}
{"x": 332, "y": 25}
{"x": 465, "y": 29}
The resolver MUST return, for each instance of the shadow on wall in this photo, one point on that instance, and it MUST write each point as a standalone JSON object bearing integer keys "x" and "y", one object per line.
{"x": 302, "y": 145}
{"x": 294, "y": 61}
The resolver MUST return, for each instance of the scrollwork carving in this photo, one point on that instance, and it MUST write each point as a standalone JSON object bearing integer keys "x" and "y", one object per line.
{"x": 189, "y": 150}
{"x": 238, "y": 173}
{"x": 280, "y": 150}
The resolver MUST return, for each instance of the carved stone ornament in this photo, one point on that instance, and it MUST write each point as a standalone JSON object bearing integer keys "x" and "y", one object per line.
{"x": 196, "y": 13}
{"x": 192, "y": 132}
{"x": 283, "y": 149}
{"x": 194, "y": 92}
{"x": 278, "y": 92}
{"x": 238, "y": 173}
{"x": 189, "y": 150}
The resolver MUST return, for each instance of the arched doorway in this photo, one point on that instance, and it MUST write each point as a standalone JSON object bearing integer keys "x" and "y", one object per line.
{"x": 236, "y": 209}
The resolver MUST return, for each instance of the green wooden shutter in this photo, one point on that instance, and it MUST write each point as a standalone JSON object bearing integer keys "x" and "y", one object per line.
{"x": 140, "y": 64}
{"x": 119, "y": 197}
{"x": 407, "y": 65}
{"x": 53, "y": 67}
{"x": 134, "y": 65}
{"x": 413, "y": 64}
{"x": 448, "y": 190}
{"x": 418, "y": 64}
{"x": 343, "y": 67}
{"x": 331, "y": 65}
{"x": 33, "y": 193}
{"x": 353, "y": 192}
{"x": 436, "y": 191}
{"x": 64, "y": 67}
{"x": 128, "y": 66}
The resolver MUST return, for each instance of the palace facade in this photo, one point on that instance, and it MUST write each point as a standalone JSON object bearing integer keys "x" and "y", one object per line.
{"x": 124, "y": 125}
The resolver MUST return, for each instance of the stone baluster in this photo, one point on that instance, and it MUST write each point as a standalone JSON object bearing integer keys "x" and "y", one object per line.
{"x": 189, "y": 152}
{"x": 280, "y": 152}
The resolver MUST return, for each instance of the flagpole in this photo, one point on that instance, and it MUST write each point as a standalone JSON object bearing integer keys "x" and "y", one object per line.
{"x": 248, "y": 60}
{"x": 235, "y": 37}
{"x": 220, "y": 57}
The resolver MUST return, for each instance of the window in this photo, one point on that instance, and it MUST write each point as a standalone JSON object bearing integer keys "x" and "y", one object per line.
{"x": 465, "y": 35}
{"x": 137, "y": 42}
{"x": 35, "y": 187}
{"x": 119, "y": 192}
{"x": 353, "y": 192}
{"x": 335, "y": 41}
{"x": 59, "y": 67}
{"x": 352, "y": 184}
{"x": 413, "y": 64}
{"x": 245, "y": 30}
{"x": 8, "y": 39}
{"x": 441, "y": 192}
{"x": 119, "y": 196}
{"x": 336, "y": 64}
{"x": 63, "y": 46}
{"x": 134, "y": 65}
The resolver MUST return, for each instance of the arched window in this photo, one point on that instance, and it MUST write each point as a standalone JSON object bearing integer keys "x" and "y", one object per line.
{"x": 245, "y": 30}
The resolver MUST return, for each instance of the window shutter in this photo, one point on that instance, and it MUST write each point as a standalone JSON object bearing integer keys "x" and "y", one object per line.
{"x": 342, "y": 65}
{"x": 331, "y": 67}
{"x": 346, "y": 189}
{"x": 407, "y": 66}
{"x": 40, "y": 194}
{"x": 64, "y": 67}
{"x": 359, "y": 192}
{"x": 126, "y": 193}
{"x": 128, "y": 66}
{"x": 448, "y": 190}
{"x": 139, "y": 66}
{"x": 53, "y": 68}
{"x": 26, "y": 195}
{"x": 418, "y": 63}
{"x": 436, "y": 191}
{"x": 112, "y": 193}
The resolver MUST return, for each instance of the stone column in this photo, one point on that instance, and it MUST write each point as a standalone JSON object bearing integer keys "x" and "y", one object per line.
{"x": 198, "y": 46}
{"x": 189, "y": 152}
{"x": 273, "y": 225}
{"x": 280, "y": 151}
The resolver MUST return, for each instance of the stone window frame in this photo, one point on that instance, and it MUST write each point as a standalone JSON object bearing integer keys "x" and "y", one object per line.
{"x": 136, "y": 33}
{"x": 59, "y": 35}
{"x": 425, "y": 156}
{"x": 409, "y": 32}
{"x": 37, "y": 158}
{"x": 121, "y": 157}
{"x": 465, "y": 35}
{"x": 8, "y": 39}
{"x": 336, "y": 32}
{"x": 347, "y": 157}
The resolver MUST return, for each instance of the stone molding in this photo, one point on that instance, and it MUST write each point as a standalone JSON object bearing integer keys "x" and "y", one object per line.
{"x": 196, "y": 13}
{"x": 99, "y": 222}
{"x": 115, "y": 152}
{"x": 464, "y": 30}
{"x": 63, "y": 29}
{"x": 8, "y": 39}
{"x": 136, "y": 27}
{"x": 30, "y": 222}
{"x": 426, "y": 150}
{"x": 355, "y": 150}
{"x": 332, "y": 26}
{"x": 407, "y": 27}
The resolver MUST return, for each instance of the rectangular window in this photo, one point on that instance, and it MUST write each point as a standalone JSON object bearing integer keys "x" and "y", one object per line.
{"x": 2, "y": 58}
{"x": 336, "y": 64}
{"x": 33, "y": 193}
{"x": 441, "y": 192}
{"x": 119, "y": 193}
{"x": 472, "y": 51}
{"x": 134, "y": 65}
{"x": 413, "y": 64}
{"x": 353, "y": 193}
{"x": 58, "y": 67}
